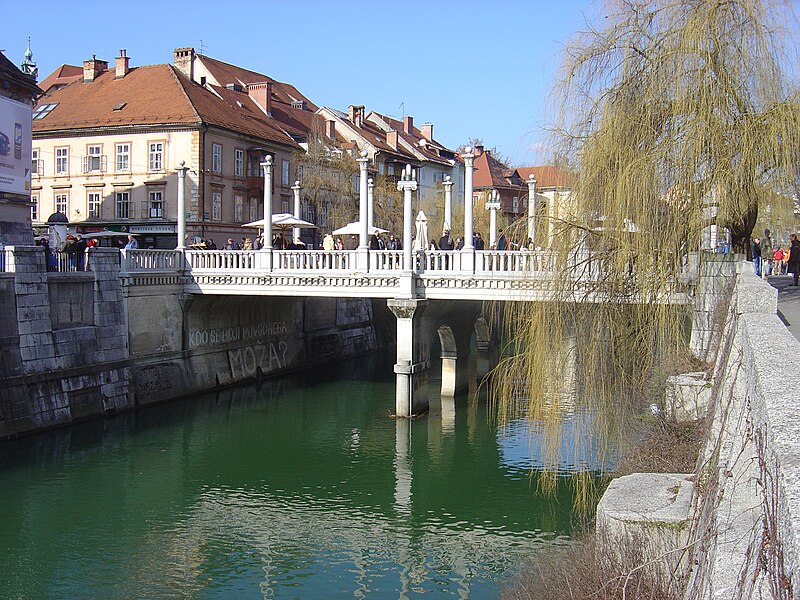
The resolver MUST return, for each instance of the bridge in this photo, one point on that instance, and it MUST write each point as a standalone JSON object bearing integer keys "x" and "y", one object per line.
{"x": 420, "y": 288}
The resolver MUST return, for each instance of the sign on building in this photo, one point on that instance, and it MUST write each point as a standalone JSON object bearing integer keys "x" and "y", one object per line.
{"x": 15, "y": 147}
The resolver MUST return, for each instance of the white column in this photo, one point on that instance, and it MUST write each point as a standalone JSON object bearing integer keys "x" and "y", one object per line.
{"x": 370, "y": 204}
{"x": 492, "y": 207}
{"x": 363, "y": 210}
{"x": 468, "y": 160}
{"x": 296, "y": 191}
{"x": 267, "y": 167}
{"x": 532, "y": 208}
{"x": 448, "y": 204}
{"x": 407, "y": 185}
{"x": 181, "y": 206}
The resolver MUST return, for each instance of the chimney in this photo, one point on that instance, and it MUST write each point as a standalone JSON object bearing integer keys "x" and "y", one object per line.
{"x": 330, "y": 129}
{"x": 261, "y": 93}
{"x": 183, "y": 60}
{"x": 356, "y": 115}
{"x": 408, "y": 124}
{"x": 391, "y": 138}
{"x": 477, "y": 150}
{"x": 427, "y": 131}
{"x": 122, "y": 64}
{"x": 92, "y": 68}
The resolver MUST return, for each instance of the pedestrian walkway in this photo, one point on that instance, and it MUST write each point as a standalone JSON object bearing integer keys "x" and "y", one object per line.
{"x": 788, "y": 302}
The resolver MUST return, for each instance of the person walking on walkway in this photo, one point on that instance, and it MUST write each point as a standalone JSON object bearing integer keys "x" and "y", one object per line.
{"x": 766, "y": 254}
{"x": 755, "y": 247}
{"x": 794, "y": 258}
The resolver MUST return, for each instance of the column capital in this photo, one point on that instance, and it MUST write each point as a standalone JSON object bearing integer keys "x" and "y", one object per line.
{"x": 447, "y": 183}
{"x": 362, "y": 160}
{"x": 181, "y": 168}
{"x": 404, "y": 308}
{"x": 296, "y": 186}
{"x": 267, "y": 162}
{"x": 468, "y": 157}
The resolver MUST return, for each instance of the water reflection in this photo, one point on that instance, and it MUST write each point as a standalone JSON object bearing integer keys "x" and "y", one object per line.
{"x": 303, "y": 488}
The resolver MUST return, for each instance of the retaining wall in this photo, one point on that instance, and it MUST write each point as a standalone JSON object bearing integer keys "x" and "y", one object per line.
{"x": 746, "y": 540}
{"x": 81, "y": 344}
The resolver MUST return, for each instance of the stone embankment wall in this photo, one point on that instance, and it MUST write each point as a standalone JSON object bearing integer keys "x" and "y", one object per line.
{"x": 746, "y": 523}
{"x": 81, "y": 344}
{"x": 731, "y": 529}
{"x": 64, "y": 342}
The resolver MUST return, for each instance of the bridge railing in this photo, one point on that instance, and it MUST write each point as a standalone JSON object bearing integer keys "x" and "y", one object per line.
{"x": 133, "y": 261}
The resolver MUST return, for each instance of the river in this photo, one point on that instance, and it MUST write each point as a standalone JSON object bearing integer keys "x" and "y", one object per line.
{"x": 302, "y": 488}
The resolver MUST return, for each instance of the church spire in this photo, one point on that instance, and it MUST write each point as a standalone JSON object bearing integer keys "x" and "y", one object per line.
{"x": 28, "y": 66}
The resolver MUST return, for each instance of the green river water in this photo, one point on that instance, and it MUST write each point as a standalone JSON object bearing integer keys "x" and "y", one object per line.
{"x": 304, "y": 488}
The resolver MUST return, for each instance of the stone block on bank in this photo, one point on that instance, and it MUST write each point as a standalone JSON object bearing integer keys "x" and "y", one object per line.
{"x": 645, "y": 518}
{"x": 687, "y": 396}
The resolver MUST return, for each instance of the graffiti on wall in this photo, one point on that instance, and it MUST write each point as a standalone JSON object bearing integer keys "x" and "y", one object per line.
{"x": 235, "y": 333}
{"x": 246, "y": 361}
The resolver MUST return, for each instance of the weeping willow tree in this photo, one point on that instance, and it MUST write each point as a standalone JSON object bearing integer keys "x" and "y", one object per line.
{"x": 677, "y": 115}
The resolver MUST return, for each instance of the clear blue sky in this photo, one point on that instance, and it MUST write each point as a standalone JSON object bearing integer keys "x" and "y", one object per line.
{"x": 475, "y": 69}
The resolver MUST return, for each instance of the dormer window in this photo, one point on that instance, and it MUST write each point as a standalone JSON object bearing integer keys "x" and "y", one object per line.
{"x": 299, "y": 104}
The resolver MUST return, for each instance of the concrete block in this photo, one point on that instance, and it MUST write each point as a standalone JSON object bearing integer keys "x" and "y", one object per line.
{"x": 645, "y": 518}
{"x": 687, "y": 396}
{"x": 754, "y": 295}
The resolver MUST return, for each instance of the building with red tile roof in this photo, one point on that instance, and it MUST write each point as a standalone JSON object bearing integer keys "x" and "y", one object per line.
{"x": 391, "y": 145}
{"x": 107, "y": 145}
{"x": 510, "y": 184}
{"x": 17, "y": 90}
{"x": 491, "y": 176}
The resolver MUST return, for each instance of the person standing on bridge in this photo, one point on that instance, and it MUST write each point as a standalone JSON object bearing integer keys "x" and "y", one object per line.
{"x": 794, "y": 258}
{"x": 502, "y": 241}
{"x": 132, "y": 243}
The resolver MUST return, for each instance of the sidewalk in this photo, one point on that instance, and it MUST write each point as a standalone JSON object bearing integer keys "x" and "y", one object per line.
{"x": 788, "y": 302}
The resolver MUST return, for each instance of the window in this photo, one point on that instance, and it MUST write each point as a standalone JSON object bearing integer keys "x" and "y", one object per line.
{"x": 62, "y": 200}
{"x": 238, "y": 208}
{"x": 93, "y": 161}
{"x": 238, "y": 163}
{"x": 155, "y": 156}
{"x": 254, "y": 209}
{"x": 37, "y": 168}
{"x": 123, "y": 161}
{"x": 254, "y": 167}
{"x": 390, "y": 169}
{"x": 156, "y": 204}
{"x": 216, "y": 206}
{"x": 62, "y": 161}
{"x": 42, "y": 111}
{"x": 515, "y": 204}
{"x": 285, "y": 172}
{"x": 284, "y": 206}
{"x": 123, "y": 205}
{"x": 93, "y": 201}
{"x": 34, "y": 207}
{"x": 216, "y": 158}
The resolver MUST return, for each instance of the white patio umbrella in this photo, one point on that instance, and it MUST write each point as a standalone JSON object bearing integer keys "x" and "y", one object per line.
{"x": 282, "y": 221}
{"x": 421, "y": 241}
{"x": 355, "y": 229}
{"x": 105, "y": 234}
